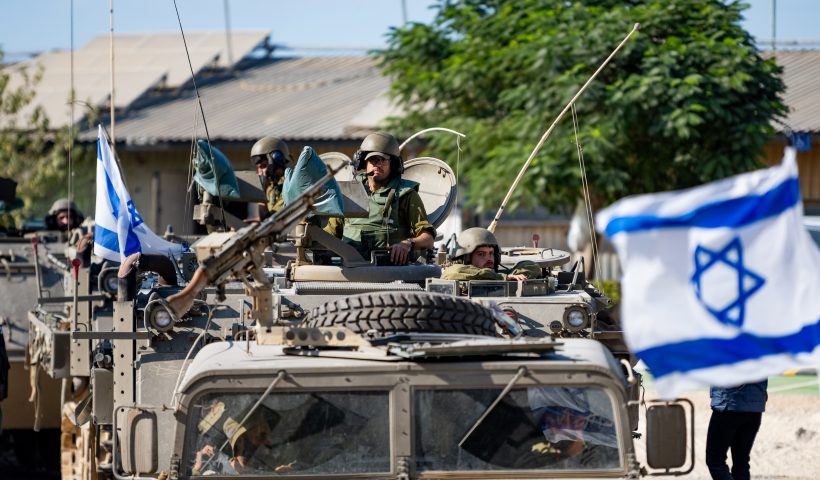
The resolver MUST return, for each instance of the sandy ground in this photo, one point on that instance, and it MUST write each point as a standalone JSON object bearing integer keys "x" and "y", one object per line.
{"x": 787, "y": 446}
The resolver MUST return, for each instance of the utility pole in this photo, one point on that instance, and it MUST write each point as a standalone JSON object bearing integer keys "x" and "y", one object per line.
{"x": 228, "y": 34}
{"x": 774, "y": 26}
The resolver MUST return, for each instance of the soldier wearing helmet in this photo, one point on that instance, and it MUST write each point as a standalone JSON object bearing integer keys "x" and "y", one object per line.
{"x": 271, "y": 156}
{"x": 64, "y": 215}
{"x": 397, "y": 219}
{"x": 478, "y": 257}
{"x": 575, "y": 431}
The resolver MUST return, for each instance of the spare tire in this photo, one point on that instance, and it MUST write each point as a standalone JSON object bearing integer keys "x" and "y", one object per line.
{"x": 388, "y": 313}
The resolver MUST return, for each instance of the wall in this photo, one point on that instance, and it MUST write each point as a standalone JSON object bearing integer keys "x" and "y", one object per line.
{"x": 157, "y": 178}
{"x": 808, "y": 165}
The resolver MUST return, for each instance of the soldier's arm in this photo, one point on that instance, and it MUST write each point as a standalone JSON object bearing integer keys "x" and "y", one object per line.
{"x": 424, "y": 232}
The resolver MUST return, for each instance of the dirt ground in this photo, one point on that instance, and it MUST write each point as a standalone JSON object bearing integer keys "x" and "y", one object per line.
{"x": 787, "y": 446}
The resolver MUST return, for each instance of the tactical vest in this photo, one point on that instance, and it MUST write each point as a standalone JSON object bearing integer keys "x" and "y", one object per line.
{"x": 384, "y": 226}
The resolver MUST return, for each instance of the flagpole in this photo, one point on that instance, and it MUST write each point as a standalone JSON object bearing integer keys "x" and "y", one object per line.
{"x": 111, "y": 43}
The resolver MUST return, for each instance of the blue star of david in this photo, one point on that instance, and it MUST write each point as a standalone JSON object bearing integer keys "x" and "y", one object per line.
{"x": 748, "y": 282}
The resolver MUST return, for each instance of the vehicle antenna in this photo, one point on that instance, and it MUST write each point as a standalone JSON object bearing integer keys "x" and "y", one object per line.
{"x": 71, "y": 108}
{"x": 201, "y": 110}
{"x": 546, "y": 135}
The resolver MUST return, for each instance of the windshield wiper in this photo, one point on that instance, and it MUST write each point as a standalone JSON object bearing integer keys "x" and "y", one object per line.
{"x": 262, "y": 397}
{"x": 521, "y": 372}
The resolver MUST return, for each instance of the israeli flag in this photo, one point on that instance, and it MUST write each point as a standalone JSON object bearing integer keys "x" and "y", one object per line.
{"x": 721, "y": 282}
{"x": 118, "y": 228}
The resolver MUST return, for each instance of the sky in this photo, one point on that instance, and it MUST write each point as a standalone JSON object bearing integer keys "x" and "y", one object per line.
{"x": 31, "y": 26}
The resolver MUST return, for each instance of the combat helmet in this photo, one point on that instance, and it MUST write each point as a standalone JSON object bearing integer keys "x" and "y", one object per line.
{"x": 381, "y": 143}
{"x": 471, "y": 239}
{"x": 60, "y": 205}
{"x": 267, "y": 147}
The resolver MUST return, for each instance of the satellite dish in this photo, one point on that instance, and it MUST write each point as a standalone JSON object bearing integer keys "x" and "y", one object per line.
{"x": 437, "y": 186}
{"x": 341, "y": 163}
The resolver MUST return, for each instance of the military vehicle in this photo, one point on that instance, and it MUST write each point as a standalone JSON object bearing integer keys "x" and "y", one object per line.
{"x": 332, "y": 365}
{"x": 33, "y": 265}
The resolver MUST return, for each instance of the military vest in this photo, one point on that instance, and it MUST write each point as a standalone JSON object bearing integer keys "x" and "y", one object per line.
{"x": 384, "y": 226}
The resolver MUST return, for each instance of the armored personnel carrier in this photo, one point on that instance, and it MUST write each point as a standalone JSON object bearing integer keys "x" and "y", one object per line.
{"x": 332, "y": 365}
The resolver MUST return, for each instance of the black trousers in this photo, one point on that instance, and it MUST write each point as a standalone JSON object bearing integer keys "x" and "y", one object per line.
{"x": 735, "y": 431}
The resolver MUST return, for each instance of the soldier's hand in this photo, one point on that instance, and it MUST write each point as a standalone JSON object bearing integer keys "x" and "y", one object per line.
{"x": 517, "y": 276}
{"x": 400, "y": 252}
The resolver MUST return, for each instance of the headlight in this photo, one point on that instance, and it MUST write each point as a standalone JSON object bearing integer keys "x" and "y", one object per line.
{"x": 161, "y": 319}
{"x": 108, "y": 282}
{"x": 575, "y": 318}
{"x": 157, "y": 315}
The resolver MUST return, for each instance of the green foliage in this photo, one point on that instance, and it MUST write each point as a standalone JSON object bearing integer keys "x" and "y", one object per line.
{"x": 687, "y": 100}
{"x": 35, "y": 155}
{"x": 610, "y": 288}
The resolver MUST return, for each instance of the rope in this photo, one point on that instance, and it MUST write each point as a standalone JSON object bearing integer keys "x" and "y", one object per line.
{"x": 458, "y": 161}
{"x": 190, "y": 180}
{"x": 585, "y": 188}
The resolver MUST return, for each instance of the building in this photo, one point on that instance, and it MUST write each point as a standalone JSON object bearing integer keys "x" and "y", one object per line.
{"x": 328, "y": 102}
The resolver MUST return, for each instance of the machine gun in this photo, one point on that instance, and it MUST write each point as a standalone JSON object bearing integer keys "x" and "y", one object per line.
{"x": 242, "y": 254}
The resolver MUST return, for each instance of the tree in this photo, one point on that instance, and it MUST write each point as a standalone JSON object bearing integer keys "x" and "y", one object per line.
{"x": 687, "y": 100}
{"x": 35, "y": 155}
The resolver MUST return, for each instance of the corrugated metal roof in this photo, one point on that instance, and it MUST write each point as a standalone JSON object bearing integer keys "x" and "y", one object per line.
{"x": 299, "y": 98}
{"x": 801, "y": 74}
{"x": 142, "y": 61}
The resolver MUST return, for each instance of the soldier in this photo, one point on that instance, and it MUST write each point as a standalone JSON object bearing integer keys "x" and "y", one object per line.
{"x": 64, "y": 215}
{"x": 573, "y": 435}
{"x": 478, "y": 257}
{"x": 271, "y": 156}
{"x": 8, "y": 202}
{"x": 397, "y": 220}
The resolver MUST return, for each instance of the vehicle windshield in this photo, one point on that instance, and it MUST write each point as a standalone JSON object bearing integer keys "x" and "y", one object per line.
{"x": 536, "y": 428}
{"x": 303, "y": 433}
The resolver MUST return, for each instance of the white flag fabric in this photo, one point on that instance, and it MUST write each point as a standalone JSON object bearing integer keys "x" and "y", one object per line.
{"x": 721, "y": 282}
{"x": 118, "y": 228}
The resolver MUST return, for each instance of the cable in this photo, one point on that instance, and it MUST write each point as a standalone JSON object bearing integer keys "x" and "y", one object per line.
{"x": 585, "y": 189}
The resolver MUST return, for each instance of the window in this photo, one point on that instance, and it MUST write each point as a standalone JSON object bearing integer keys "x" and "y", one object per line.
{"x": 537, "y": 428}
{"x": 303, "y": 433}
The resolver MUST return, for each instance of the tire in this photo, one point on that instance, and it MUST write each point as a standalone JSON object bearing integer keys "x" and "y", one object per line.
{"x": 387, "y": 313}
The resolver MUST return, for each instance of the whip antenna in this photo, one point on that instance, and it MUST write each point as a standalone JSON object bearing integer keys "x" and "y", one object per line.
{"x": 202, "y": 111}
{"x": 546, "y": 135}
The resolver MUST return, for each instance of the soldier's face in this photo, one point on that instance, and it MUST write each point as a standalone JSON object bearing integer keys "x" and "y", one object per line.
{"x": 483, "y": 257}
{"x": 260, "y": 434}
{"x": 64, "y": 218}
{"x": 261, "y": 165}
{"x": 380, "y": 167}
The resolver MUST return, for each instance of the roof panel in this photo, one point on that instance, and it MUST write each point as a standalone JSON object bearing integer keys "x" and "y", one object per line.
{"x": 141, "y": 62}
{"x": 801, "y": 74}
{"x": 316, "y": 97}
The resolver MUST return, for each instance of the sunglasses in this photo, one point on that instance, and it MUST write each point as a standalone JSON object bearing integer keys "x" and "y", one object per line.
{"x": 376, "y": 160}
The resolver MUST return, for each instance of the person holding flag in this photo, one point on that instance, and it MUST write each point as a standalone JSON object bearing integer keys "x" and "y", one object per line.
{"x": 720, "y": 288}
{"x": 119, "y": 230}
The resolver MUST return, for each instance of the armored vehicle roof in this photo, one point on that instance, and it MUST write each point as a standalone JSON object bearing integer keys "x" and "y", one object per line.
{"x": 241, "y": 358}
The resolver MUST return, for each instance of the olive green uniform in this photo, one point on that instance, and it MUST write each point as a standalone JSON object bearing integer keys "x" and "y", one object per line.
{"x": 396, "y": 213}
{"x": 469, "y": 272}
{"x": 274, "y": 199}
